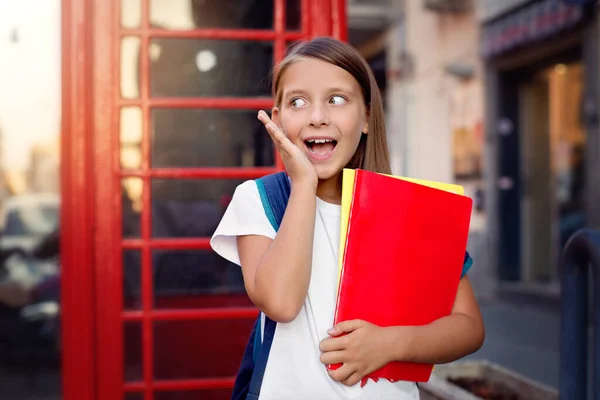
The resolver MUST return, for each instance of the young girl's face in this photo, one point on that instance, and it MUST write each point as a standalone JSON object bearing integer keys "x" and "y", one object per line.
{"x": 323, "y": 112}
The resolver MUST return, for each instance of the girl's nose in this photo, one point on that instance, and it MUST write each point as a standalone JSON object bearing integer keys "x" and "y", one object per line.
{"x": 318, "y": 116}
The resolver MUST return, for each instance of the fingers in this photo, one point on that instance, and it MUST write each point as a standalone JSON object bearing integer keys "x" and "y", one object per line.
{"x": 276, "y": 134}
{"x": 332, "y": 357}
{"x": 347, "y": 374}
{"x": 352, "y": 379}
{"x": 345, "y": 326}
{"x": 342, "y": 373}
{"x": 333, "y": 344}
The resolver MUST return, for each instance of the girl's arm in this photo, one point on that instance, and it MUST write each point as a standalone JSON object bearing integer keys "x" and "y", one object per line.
{"x": 446, "y": 339}
{"x": 277, "y": 272}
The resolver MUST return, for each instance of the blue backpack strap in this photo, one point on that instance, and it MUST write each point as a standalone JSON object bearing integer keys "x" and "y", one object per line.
{"x": 467, "y": 264}
{"x": 274, "y": 193}
{"x": 261, "y": 360}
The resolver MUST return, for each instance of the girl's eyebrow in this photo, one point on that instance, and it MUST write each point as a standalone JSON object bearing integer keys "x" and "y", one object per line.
{"x": 337, "y": 89}
{"x": 293, "y": 92}
{"x": 341, "y": 90}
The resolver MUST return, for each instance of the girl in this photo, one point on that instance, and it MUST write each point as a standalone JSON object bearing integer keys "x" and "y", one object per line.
{"x": 327, "y": 115}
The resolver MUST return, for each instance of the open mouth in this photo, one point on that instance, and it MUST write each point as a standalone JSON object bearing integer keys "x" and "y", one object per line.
{"x": 321, "y": 147}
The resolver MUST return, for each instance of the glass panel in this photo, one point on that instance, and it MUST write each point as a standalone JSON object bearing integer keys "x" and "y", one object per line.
{"x": 30, "y": 127}
{"x": 132, "y": 347}
{"x": 293, "y": 15}
{"x": 131, "y": 14}
{"x": 194, "y": 14}
{"x": 135, "y": 396}
{"x": 130, "y": 67}
{"x": 568, "y": 142}
{"x": 553, "y": 148}
{"x": 209, "y": 68}
{"x": 189, "y": 349}
{"x": 131, "y": 137}
{"x": 132, "y": 269}
{"x": 189, "y": 208}
{"x": 203, "y": 138}
{"x": 131, "y": 200}
{"x": 196, "y": 279}
{"x": 214, "y": 394}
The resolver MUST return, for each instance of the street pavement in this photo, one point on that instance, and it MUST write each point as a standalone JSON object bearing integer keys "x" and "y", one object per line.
{"x": 523, "y": 339}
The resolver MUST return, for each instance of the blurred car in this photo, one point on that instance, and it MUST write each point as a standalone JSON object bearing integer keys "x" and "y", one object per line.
{"x": 27, "y": 219}
{"x": 26, "y": 222}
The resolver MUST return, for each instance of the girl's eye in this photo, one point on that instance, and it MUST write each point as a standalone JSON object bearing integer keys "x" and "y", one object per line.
{"x": 298, "y": 102}
{"x": 337, "y": 100}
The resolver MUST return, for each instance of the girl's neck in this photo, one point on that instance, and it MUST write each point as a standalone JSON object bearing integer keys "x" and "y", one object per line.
{"x": 330, "y": 190}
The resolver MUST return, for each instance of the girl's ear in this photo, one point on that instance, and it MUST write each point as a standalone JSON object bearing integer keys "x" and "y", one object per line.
{"x": 365, "y": 129}
{"x": 275, "y": 116}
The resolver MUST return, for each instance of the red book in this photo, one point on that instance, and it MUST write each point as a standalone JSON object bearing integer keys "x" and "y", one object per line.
{"x": 403, "y": 258}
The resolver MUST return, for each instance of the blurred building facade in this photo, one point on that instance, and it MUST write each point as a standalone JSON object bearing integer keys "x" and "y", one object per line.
{"x": 501, "y": 97}
{"x": 541, "y": 61}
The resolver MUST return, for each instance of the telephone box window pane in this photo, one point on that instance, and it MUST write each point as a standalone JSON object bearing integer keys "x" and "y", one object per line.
{"x": 132, "y": 269}
{"x": 202, "y": 14}
{"x": 131, "y": 206}
{"x": 200, "y": 348}
{"x": 131, "y": 137}
{"x": 130, "y": 67}
{"x": 209, "y": 138}
{"x": 131, "y": 14}
{"x": 293, "y": 14}
{"x": 193, "y": 279}
{"x": 189, "y": 207}
{"x": 132, "y": 349}
{"x": 135, "y": 396}
{"x": 209, "y": 68}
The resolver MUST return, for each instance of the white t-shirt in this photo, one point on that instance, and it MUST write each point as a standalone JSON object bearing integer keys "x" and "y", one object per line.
{"x": 294, "y": 370}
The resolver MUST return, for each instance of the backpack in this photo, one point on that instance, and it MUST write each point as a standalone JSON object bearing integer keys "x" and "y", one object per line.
{"x": 274, "y": 190}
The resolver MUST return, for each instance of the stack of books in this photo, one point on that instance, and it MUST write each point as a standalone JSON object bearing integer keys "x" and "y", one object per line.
{"x": 402, "y": 248}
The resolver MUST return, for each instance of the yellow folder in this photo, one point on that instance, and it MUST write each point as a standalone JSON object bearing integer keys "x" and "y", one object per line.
{"x": 347, "y": 190}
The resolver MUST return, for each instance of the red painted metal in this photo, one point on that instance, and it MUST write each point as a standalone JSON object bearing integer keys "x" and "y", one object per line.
{"x": 104, "y": 186}
{"x": 338, "y": 17}
{"x": 175, "y": 244}
{"x": 146, "y": 273}
{"x": 279, "y": 24}
{"x": 199, "y": 314}
{"x": 224, "y": 103}
{"x": 77, "y": 273}
{"x": 198, "y": 173}
{"x": 226, "y": 34}
{"x": 133, "y": 387}
{"x": 320, "y": 13}
{"x": 183, "y": 384}
{"x": 213, "y": 383}
{"x": 305, "y": 18}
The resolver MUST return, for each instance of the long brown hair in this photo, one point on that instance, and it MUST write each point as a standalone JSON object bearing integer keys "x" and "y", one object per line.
{"x": 372, "y": 152}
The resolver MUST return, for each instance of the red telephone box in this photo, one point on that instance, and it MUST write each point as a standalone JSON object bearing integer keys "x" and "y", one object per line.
{"x": 159, "y": 105}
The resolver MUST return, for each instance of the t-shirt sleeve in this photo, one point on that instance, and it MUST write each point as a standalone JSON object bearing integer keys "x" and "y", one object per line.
{"x": 245, "y": 215}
